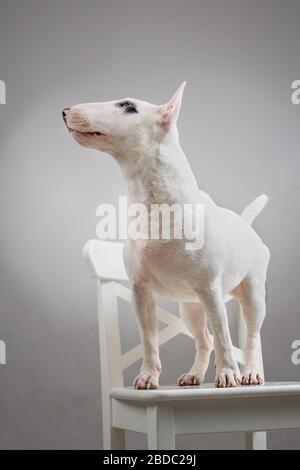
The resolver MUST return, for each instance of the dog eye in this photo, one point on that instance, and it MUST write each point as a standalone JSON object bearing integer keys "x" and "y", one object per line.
{"x": 130, "y": 109}
{"x": 128, "y": 106}
{"x": 122, "y": 104}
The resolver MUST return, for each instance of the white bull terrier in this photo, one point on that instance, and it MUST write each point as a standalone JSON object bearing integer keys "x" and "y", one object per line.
{"x": 143, "y": 138}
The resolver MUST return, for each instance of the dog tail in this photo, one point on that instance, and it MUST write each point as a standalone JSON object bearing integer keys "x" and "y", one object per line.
{"x": 254, "y": 209}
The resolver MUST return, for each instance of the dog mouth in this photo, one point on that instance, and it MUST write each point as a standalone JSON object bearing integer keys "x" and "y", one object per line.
{"x": 86, "y": 134}
{"x": 80, "y": 132}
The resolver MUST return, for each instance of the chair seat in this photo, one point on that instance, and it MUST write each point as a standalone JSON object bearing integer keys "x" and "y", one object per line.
{"x": 205, "y": 392}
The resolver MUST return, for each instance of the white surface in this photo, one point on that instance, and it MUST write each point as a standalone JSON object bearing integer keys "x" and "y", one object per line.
{"x": 206, "y": 391}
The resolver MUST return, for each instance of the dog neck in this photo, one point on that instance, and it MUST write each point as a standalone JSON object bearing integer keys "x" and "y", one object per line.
{"x": 159, "y": 173}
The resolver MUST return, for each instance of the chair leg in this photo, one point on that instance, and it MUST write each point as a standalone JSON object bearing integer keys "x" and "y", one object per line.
{"x": 160, "y": 427}
{"x": 255, "y": 441}
{"x": 113, "y": 438}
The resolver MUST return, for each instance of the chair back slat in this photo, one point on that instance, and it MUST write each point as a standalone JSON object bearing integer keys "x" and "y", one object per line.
{"x": 104, "y": 260}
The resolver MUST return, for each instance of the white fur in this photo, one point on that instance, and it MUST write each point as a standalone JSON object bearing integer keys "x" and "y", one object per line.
{"x": 232, "y": 261}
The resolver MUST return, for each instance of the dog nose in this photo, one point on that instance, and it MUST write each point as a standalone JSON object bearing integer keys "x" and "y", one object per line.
{"x": 65, "y": 113}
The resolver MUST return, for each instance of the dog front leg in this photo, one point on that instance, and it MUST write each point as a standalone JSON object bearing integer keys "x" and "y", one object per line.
{"x": 195, "y": 320}
{"x": 227, "y": 370}
{"x": 144, "y": 307}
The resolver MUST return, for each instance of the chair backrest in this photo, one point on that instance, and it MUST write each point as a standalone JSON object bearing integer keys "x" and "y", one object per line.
{"x": 104, "y": 260}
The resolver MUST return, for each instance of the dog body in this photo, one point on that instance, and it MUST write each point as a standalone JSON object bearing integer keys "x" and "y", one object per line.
{"x": 233, "y": 260}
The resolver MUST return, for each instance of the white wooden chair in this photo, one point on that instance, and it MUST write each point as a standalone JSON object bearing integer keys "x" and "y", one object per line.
{"x": 168, "y": 411}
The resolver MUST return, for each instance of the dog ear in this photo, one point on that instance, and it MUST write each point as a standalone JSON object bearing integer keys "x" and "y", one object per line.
{"x": 169, "y": 112}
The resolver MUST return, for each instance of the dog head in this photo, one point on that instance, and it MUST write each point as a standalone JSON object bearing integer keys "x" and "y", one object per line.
{"x": 123, "y": 126}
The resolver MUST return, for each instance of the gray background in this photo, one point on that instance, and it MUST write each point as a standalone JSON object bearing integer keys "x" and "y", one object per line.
{"x": 240, "y": 132}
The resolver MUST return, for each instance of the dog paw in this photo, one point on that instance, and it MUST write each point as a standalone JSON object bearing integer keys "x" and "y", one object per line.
{"x": 227, "y": 377}
{"x": 252, "y": 376}
{"x": 189, "y": 379}
{"x": 146, "y": 381}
